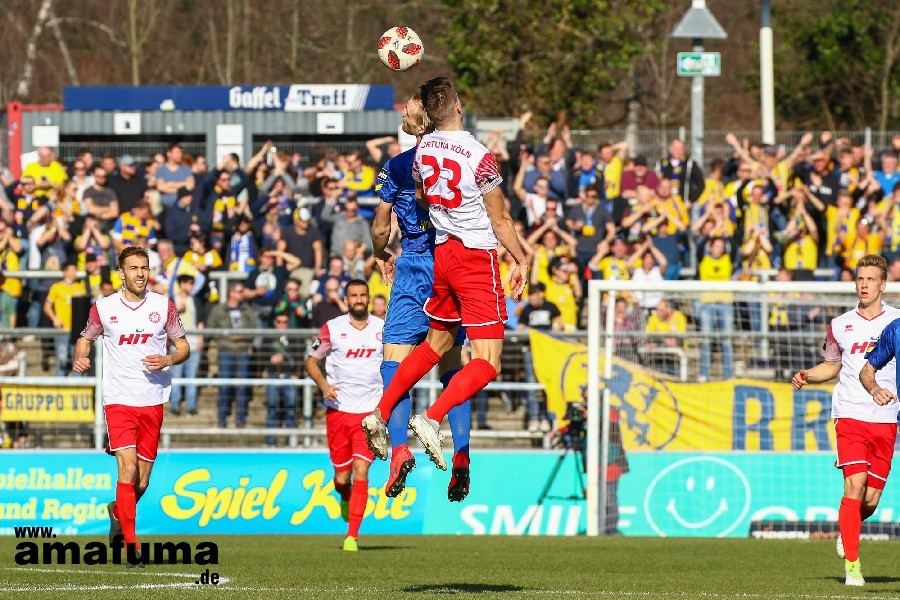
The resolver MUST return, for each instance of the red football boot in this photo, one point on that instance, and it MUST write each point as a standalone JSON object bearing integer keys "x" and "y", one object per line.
{"x": 402, "y": 462}
{"x": 459, "y": 480}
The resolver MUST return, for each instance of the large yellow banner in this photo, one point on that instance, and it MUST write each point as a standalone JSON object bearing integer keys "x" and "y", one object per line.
{"x": 654, "y": 414}
{"x": 47, "y": 403}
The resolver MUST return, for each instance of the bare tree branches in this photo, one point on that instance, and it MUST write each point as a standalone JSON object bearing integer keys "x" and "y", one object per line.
{"x": 24, "y": 86}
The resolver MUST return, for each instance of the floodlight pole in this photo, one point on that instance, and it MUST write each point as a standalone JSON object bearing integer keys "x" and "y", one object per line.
{"x": 697, "y": 91}
{"x": 766, "y": 73}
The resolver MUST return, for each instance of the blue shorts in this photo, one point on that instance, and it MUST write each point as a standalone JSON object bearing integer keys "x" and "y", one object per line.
{"x": 406, "y": 321}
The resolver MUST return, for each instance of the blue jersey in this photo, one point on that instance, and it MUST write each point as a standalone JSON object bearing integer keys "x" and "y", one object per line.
{"x": 886, "y": 348}
{"x": 395, "y": 184}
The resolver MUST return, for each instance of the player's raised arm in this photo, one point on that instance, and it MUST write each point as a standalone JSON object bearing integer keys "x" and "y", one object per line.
{"x": 381, "y": 234}
{"x": 502, "y": 224}
{"x": 386, "y": 188}
{"x": 877, "y": 359}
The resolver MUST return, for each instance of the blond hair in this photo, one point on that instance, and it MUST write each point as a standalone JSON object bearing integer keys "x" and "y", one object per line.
{"x": 874, "y": 260}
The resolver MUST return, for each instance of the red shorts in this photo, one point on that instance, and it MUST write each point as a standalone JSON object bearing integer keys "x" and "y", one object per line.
{"x": 134, "y": 427}
{"x": 346, "y": 438}
{"x": 865, "y": 448}
{"x": 467, "y": 290}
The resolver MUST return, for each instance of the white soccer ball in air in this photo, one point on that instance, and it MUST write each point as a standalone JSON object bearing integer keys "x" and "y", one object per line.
{"x": 400, "y": 48}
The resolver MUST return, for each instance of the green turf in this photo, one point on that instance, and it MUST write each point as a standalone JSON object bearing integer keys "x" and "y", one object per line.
{"x": 481, "y": 567}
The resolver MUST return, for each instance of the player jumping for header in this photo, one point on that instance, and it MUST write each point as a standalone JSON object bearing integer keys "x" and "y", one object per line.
{"x": 136, "y": 326}
{"x": 412, "y": 276}
{"x": 457, "y": 177}
{"x": 865, "y": 432}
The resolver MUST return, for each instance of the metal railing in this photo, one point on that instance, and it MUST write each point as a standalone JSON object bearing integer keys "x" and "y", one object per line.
{"x": 36, "y": 348}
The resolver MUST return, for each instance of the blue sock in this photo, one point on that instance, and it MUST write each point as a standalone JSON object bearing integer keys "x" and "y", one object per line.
{"x": 399, "y": 421}
{"x": 460, "y": 418}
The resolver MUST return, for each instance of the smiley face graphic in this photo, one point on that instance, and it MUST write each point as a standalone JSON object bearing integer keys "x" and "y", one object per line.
{"x": 698, "y": 496}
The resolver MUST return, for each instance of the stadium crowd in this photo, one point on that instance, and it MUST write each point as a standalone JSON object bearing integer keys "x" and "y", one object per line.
{"x": 300, "y": 231}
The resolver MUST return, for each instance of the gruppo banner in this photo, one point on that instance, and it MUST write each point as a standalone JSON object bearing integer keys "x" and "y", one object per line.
{"x": 659, "y": 415}
{"x": 47, "y": 403}
{"x": 664, "y": 494}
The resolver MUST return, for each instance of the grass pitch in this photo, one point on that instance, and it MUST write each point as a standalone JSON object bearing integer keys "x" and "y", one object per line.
{"x": 445, "y": 567}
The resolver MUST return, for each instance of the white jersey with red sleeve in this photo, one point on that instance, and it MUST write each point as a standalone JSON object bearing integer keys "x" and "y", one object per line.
{"x": 132, "y": 331}
{"x": 850, "y": 338}
{"x": 352, "y": 362}
{"x": 456, "y": 171}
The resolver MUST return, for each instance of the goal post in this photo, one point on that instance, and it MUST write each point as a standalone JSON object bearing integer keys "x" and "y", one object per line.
{"x": 738, "y": 330}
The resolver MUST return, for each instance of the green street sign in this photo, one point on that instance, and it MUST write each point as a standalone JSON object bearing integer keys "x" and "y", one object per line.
{"x": 699, "y": 64}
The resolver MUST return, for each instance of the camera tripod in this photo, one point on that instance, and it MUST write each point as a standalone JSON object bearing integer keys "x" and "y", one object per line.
{"x": 577, "y": 451}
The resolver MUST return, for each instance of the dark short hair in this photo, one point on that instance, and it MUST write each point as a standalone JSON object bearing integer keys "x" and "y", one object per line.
{"x": 69, "y": 263}
{"x": 357, "y": 282}
{"x": 439, "y": 99}
{"x": 173, "y": 145}
{"x": 185, "y": 277}
{"x": 132, "y": 251}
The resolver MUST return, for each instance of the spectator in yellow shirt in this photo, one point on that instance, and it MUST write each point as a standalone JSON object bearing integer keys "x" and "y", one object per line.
{"x": 563, "y": 290}
{"x": 359, "y": 177}
{"x": 840, "y": 221}
{"x": 716, "y": 310}
{"x": 800, "y": 239}
{"x": 611, "y": 260}
{"x": 669, "y": 320}
{"x": 666, "y": 320}
{"x": 862, "y": 241}
{"x": 610, "y": 166}
{"x": 776, "y": 167}
{"x": 58, "y": 308}
{"x": 200, "y": 257}
{"x": 47, "y": 172}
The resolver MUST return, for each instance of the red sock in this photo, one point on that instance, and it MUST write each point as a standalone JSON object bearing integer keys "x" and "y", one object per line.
{"x": 473, "y": 378}
{"x": 126, "y": 506}
{"x": 850, "y": 524}
{"x": 358, "y": 500}
{"x": 413, "y": 368}
{"x": 343, "y": 489}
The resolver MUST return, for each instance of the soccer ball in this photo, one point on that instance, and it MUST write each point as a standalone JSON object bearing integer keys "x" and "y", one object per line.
{"x": 400, "y": 48}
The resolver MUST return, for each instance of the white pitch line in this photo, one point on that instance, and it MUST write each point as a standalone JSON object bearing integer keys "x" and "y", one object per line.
{"x": 94, "y": 588}
{"x": 73, "y": 587}
{"x": 95, "y": 572}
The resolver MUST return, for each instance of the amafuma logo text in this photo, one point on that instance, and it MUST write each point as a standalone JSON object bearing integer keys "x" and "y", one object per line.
{"x": 47, "y": 552}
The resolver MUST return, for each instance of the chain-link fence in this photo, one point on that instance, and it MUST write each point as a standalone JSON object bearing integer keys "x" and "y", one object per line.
{"x": 654, "y": 143}
{"x": 143, "y": 151}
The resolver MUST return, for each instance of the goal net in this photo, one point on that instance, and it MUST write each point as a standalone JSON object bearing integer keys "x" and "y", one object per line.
{"x": 704, "y": 435}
